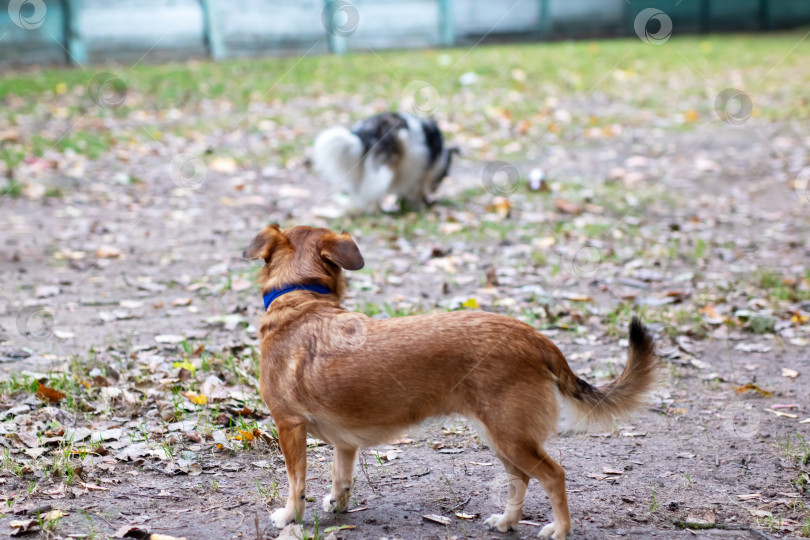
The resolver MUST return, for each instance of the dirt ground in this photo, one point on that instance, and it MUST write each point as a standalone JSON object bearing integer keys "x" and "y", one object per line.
{"x": 128, "y": 296}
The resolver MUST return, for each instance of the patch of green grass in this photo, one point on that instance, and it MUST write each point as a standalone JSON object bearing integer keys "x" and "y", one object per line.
{"x": 539, "y": 258}
{"x": 9, "y": 464}
{"x": 11, "y": 189}
{"x": 798, "y": 451}
{"x": 54, "y": 193}
{"x": 61, "y": 466}
{"x": 15, "y": 384}
{"x": 370, "y": 308}
{"x": 654, "y": 504}
{"x": 700, "y": 249}
{"x": 623, "y": 70}
{"x": 780, "y": 289}
{"x": 616, "y": 321}
{"x": 769, "y": 279}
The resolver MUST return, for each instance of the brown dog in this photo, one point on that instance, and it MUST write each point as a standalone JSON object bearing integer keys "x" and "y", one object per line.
{"x": 355, "y": 382}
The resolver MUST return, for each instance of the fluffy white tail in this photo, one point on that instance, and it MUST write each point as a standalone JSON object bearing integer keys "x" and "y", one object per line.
{"x": 586, "y": 406}
{"x": 338, "y": 156}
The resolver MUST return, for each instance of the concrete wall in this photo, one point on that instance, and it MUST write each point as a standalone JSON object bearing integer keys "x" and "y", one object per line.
{"x": 128, "y": 29}
{"x": 93, "y": 31}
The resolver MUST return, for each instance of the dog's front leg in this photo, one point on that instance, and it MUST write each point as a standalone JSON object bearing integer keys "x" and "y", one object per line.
{"x": 292, "y": 436}
{"x": 342, "y": 472}
{"x": 517, "y": 482}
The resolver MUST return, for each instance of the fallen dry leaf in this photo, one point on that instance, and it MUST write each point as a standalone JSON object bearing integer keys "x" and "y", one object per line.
{"x": 753, "y": 388}
{"x": 501, "y": 206}
{"x": 25, "y": 526}
{"x": 781, "y": 414}
{"x": 435, "y": 518}
{"x": 567, "y": 207}
{"x": 134, "y": 531}
{"x": 462, "y": 515}
{"x": 799, "y": 318}
{"x": 790, "y": 373}
{"x": 712, "y": 317}
{"x": 108, "y": 252}
{"x": 49, "y": 394}
{"x": 691, "y": 116}
{"x": 702, "y": 518}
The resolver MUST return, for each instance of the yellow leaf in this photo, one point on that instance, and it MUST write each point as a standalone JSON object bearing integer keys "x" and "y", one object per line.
{"x": 711, "y": 313}
{"x": 798, "y": 318}
{"x": 196, "y": 399}
{"x": 61, "y": 88}
{"x": 185, "y": 364}
{"x": 500, "y": 206}
{"x": 691, "y": 116}
{"x": 472, "y": 303}
{"x": 244, "y": 435}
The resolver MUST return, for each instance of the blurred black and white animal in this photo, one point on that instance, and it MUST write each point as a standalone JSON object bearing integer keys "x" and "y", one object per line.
{"x": 387, "y": 154}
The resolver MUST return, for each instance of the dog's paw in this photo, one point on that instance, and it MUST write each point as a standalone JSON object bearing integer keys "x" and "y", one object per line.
{"x": 499, "y": 523}
{"x": 552, "y": 531}
{"x": 283, "y": 517}
{"x": 333, "y": 504}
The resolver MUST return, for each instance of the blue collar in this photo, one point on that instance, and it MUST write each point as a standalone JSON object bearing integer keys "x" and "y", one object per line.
{"x": 271, "y": 295}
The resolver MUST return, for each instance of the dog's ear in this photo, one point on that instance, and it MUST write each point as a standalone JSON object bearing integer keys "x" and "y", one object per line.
{"x": 265, "y": 243}
{"x": 341, "y": 250}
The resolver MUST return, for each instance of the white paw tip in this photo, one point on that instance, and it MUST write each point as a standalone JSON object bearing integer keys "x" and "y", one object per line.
{"x": 282, "y": 517}
{"x": 497, "y": 522}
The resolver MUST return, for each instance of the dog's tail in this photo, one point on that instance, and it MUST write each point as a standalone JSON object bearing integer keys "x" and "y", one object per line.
{"x": 338, "y": 156}
{"x": 586, "y": 406}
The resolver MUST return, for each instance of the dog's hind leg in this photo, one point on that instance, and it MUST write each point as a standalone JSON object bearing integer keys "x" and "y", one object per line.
{"x": 342, "y": 472}
{"x": 537, "y": 463}
{"x": 292, "y": 437}
{"x": 517, "y": 483}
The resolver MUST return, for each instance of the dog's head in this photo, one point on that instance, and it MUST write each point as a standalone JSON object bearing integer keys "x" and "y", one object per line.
{"x": 304, "y": 256}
